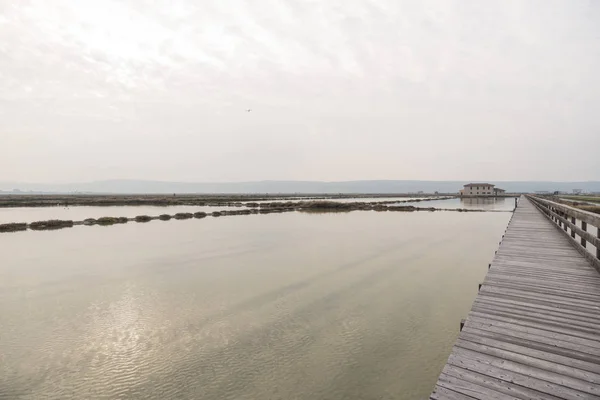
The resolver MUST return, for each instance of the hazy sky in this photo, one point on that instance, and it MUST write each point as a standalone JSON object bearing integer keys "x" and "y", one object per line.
{"x": 339, "y": 90}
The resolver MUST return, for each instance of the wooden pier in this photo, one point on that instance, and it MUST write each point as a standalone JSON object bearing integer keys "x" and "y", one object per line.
{"x": 534, "y": 329}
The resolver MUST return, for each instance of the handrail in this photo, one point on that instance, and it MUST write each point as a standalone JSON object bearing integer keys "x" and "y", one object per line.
{"x": 586, "y": 216}
{"x": 561, "y": 213}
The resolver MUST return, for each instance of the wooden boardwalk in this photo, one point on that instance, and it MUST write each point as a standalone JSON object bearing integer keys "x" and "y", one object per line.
{"x": 534, "y": 329}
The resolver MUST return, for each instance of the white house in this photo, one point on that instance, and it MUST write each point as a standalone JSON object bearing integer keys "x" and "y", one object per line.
{"x": 480, "y": 189}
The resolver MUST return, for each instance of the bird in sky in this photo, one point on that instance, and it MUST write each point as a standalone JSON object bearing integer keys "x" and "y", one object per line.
{"x": 248, "y": 110}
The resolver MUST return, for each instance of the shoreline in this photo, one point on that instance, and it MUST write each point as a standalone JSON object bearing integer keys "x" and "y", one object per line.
{"x": 211, "y": 200}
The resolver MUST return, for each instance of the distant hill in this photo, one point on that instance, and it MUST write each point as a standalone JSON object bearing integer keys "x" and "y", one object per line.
{"x": 386, "y": 186}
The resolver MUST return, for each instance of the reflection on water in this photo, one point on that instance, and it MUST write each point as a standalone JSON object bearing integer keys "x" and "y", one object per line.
{"x": 279, "y": 306}
{"x": 488, "y": 203}
{"x": 471, "y": 203}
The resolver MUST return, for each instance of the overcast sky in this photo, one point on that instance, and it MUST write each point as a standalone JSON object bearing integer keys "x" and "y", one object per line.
{"x": 339, "y": 90}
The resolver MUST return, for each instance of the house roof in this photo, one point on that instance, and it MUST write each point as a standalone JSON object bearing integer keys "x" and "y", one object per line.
{"x": 479, "y": 184}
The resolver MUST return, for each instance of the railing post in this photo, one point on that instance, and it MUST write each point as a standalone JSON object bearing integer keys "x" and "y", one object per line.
{"x": 572, "y": 229}
{"x": 560, "y": 214}
{"x": 566, "y": 217}
{"x": 598, "y": 247}
{"x": 583, "y": 228}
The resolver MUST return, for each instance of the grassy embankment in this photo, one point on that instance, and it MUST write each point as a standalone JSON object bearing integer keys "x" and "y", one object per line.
{"x": 27, "y": 200}
{"x": 591, "y": 199}
{"x": 581, "y": 202}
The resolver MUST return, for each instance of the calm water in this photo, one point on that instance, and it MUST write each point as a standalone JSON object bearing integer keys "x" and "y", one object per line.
{"x": 360, "y": 305}
{"x": 474, "y": 203}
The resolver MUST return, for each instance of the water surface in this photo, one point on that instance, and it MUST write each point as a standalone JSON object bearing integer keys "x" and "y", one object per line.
{"x": 471, "y": 203}
{"x": 359, "y": 305}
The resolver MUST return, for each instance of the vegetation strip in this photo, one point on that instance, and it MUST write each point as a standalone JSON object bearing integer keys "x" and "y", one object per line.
{"x": 581, "y": 202}
{"x": 263, "y": 208}
{"x": 183, "y": 199}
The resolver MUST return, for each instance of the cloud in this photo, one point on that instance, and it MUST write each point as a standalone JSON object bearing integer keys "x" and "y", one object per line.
{"x": 340, "y": 89}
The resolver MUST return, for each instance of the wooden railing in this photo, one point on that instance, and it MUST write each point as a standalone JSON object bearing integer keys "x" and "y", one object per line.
{"x": 566, "y": 217}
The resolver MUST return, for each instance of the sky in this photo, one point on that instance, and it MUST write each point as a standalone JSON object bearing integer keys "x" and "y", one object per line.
{"x": 338, "y": 90}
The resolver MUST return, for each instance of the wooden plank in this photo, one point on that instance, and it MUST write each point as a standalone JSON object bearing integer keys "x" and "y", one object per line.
{"x": 471, "y": 389}
{"x": 529, "y": 360}
{"x": 516, "y": 379}
{"x": 538, "y": 342}
{"x": 578, "y": 385}
{"x": 440, "y": 393}
{"x": 497, "y": 385}
{"x": 548, "y": 353}
{"x": 551, "y": 297}
{"x": 543, "y": 306}
{"x": 549, "y": 273}
{"x": 543, "y": 290}
{"x": 538, "y": 313}
{"x": 526, "y": 327}
{"x": 535, "y": 316}
{"x": 534, "y": 329}
{"x": 536, "y": 300}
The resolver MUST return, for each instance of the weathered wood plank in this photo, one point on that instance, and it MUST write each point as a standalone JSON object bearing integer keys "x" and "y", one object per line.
{"x": 518, "y": 379}
{"x": 447, "y": 394}
{"x": 468, "y": 388}
{"x": 526, "y": 327}
{"x": 538, "y": 314}
{"x": 529, "y": 360}
{"x": 497, "y": 385}
{"x": 541, "y": 301}
{"x": 538, "y": 350}
{"x": 461, "y": 355}
{"x": 541, "y": 308}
